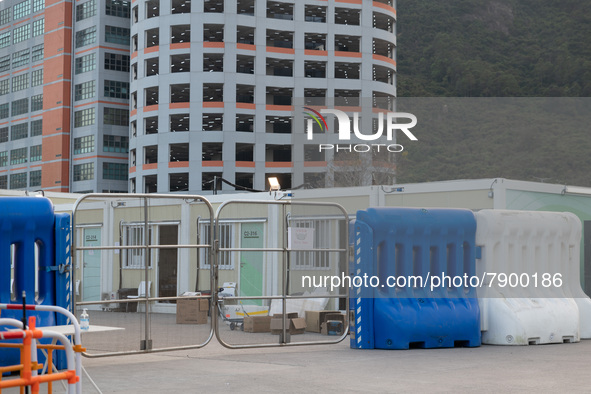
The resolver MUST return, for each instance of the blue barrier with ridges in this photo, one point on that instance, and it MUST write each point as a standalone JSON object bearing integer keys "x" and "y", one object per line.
{"x": 63, "y": 272}
{"x": 405, "y": 242}
{"x": 361, "y": 302}
{"x": 24, "y": 222}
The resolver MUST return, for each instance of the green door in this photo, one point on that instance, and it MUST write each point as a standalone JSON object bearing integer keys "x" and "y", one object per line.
{"x": 91, "y": 263}
{"x": 251, "y": 263}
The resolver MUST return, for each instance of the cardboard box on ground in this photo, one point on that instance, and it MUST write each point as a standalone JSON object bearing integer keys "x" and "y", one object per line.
{"x": 333, "y": 325}
{"x": 314, "y": 319}
{"x": 324, "y": 322}
{"x": 191, "y": 311}
{"x": 294, "y": 324}
{"x": 312, "y": 312}
{"x": 257, "y": 323}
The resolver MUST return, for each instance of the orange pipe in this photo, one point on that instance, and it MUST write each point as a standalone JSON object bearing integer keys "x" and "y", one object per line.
{"x": 69, "y": 375}
{"x": 27, "y": 378}
{"x": 52, "y": 347}
{"x": 11, "y": 345}
{"x": 50, "y": 369}
{"x": 11, "y": 368}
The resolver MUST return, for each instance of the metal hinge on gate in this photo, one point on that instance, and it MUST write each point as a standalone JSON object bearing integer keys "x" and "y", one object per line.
{"x": 61, "y": 268}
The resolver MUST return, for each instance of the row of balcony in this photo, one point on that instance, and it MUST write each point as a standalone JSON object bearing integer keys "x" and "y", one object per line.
{"x": 277, "y": 10}
{"x": 212, "y": 152}
{"x": 274, "y": 67}
{"x": 275, "y": 96}
{"x": 178, "y": 123}
{"x": 214, "y": 33}
{"x": 179, "y": 181}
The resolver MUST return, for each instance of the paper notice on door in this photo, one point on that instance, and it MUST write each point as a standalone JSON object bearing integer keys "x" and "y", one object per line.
{"x": 300, "y": 238}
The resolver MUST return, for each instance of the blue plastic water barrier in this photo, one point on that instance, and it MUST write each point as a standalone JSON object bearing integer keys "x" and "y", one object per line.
{"x": 419, "y": 243}
{"x": 62, "y": 269}
{"x": 29, "y": 223}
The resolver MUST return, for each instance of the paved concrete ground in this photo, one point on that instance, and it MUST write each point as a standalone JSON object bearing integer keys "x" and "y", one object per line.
{"x": 336, "y": 368}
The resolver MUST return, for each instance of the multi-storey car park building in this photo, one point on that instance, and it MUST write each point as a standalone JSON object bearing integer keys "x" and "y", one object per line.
{"x": 166, "y": 95}
{"x": 64, "y": 104}
{"x": 214, "y": 85}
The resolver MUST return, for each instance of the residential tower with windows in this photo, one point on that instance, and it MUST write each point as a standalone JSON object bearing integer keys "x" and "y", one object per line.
{"x": 169, "y": 95}
{"x": 64, "y": 95}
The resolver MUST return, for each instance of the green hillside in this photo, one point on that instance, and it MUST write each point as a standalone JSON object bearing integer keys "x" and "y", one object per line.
{"x": 502, "y": 48}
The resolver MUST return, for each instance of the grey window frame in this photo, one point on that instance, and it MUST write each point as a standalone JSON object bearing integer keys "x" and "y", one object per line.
{"x": 18, "y": 180}
{"x": 20, "y": 58}
{"x": 85, "y": 10}
{"x": 19, "y": 107}
{"x": 85, "y": 63}
{"x": 36, "y": 127}
{"x": 37, "y": 77}
{"x": 115, "y": 143}
{"x": 116, "y": 89}
{"x": 21, "y": 10}
{"x": 37, "y": 52}
{"x": 119, "y": 8}
{"x": 19, "y": 131}
{"x": 115, "y": 171}
{"x": 4, "y": 86}
{"x": 5, "y": 63}
{"x": 86, "y": 37}
{"x": 85, "y": 117}
{"x": 38, "y": 27}
{"x": 116, "y": 116}
{"x": 117, "y": 35}
{"x": 35, "y": 178}
{"x": 84, "y": 90}
{"x": 5, "y": 39}
{"x": 37, "y": 102}
{"x": 18, "y": 156}
{"x": 21, "y": 33}
{"x": 117, "y": 62}
{"x": 83, "y": 172}
{"x": 84, "y": 144}
{"x": 35, "y": 153}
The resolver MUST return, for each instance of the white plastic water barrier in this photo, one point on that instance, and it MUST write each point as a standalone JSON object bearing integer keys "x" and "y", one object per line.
{"x": 530, "y": 262}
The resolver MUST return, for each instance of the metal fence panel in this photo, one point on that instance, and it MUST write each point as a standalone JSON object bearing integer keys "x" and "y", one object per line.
{"x": 277, "y": 259}
{"x": 137, "y": 269}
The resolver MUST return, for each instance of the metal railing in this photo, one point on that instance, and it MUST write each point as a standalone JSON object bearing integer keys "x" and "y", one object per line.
{"x": 278, "y": 252}
{"x": 140, "y": 202}
{"x": 284, "y": 249}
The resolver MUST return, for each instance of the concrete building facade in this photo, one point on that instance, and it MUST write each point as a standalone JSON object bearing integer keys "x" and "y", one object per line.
{"x": 168, "y": 95}
{"x": 64, "y": 88}
{"x": 217, "y": 87}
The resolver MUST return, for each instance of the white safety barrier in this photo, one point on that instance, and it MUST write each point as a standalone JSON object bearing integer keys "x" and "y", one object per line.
{"x": 531, "y": 265}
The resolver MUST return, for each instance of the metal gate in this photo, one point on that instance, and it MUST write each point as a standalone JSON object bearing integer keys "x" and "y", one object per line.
{"x": 137, "y": 271}
{"x": 162, "y": 272}
{"x": 276, "y": 264}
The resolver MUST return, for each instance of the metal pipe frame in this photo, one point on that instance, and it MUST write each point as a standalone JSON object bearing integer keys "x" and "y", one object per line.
{"x": 284, "y": 280}
{"x": 215, "y": 254}
{"x": 143, "y": 200}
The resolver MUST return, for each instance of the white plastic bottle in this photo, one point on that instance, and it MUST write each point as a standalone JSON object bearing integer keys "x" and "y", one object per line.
{"x": 84, "y": 321}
